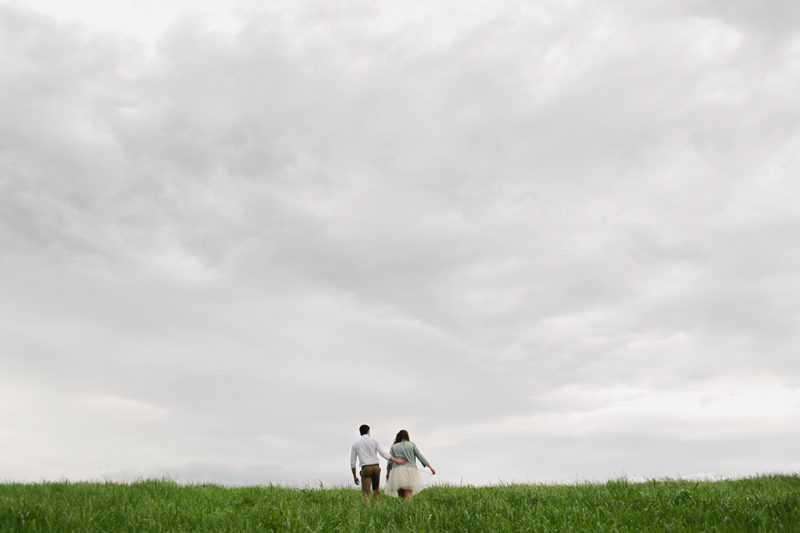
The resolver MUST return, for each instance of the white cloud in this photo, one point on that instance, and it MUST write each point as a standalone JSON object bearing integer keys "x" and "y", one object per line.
{"x": 566, "y": 226}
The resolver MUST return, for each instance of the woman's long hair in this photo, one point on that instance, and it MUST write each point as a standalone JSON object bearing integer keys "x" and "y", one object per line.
{"x": 402, "y": 435}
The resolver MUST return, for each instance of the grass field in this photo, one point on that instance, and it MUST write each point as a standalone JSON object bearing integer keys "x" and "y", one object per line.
{"x": 764, "y": 503}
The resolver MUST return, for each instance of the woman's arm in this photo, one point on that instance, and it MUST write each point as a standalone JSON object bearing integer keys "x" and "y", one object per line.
{"x": 419, "y": 456}
{"x": 422, "y": 459}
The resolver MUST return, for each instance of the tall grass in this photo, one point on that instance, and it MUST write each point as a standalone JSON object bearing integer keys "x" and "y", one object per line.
{"x": 764, "y": 503}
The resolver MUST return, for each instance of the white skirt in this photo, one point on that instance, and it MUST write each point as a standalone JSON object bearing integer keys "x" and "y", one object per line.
{"x": 406, "y": 477}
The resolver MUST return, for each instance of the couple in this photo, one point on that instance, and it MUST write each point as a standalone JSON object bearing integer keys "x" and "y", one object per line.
{"x": 402, "y": 476}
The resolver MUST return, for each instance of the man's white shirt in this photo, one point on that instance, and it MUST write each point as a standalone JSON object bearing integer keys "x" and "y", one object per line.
{"x": 367, "y": 450}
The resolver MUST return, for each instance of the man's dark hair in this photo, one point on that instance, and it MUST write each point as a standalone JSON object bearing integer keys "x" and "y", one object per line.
{"x": 364, "y": 429}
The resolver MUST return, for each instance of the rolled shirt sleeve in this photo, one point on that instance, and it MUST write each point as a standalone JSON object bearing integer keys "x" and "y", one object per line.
{"x": 353, "y": 457}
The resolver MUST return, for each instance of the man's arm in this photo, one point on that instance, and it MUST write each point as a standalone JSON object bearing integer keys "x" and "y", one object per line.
{"x": 353, "y": 463}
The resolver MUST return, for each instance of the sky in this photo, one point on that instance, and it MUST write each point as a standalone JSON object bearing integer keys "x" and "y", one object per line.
{"x": 554, "y": 240}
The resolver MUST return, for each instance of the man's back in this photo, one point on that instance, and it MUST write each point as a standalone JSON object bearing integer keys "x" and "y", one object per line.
{"x": 367, "y": 449}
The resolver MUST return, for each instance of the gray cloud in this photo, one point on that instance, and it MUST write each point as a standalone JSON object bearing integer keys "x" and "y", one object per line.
{"x": 244, "y": 245}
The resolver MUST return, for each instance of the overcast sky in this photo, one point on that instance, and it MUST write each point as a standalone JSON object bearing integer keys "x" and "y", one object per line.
{"x": 553, "y": 240}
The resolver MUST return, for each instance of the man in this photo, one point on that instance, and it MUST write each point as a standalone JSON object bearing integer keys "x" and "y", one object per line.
{"x": 367, "y": 449}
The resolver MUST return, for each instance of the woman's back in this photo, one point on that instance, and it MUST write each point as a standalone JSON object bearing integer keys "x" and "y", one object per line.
{"x": 408, "y": 451}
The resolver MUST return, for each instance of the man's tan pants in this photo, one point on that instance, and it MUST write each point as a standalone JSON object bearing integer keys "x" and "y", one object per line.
{"x": 370, "y": 475}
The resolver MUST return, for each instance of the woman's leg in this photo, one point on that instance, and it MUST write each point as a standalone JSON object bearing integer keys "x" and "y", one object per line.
{"x": 401, "y": 493}
{"x": 408, "y": 494}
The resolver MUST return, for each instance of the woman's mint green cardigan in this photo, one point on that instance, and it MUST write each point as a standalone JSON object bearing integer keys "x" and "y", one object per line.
{"x": 408, "y": 451}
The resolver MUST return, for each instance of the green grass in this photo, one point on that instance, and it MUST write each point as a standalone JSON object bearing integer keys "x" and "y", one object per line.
{"x": 764, "y": 503}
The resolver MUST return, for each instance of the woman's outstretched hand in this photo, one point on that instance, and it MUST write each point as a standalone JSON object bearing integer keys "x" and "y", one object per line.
{"x": 432, "y": 470}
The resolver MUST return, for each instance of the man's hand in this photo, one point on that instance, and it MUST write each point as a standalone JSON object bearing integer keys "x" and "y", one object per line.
{"x": 356, "y": 480}
{"x": 398, "y": 461}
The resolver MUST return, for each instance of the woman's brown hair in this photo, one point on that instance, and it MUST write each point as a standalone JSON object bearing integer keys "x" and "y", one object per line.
{"x": 402, "y": 435}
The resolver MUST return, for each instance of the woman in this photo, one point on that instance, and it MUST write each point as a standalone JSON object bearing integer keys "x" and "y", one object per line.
{"x": 402, "y": 481}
